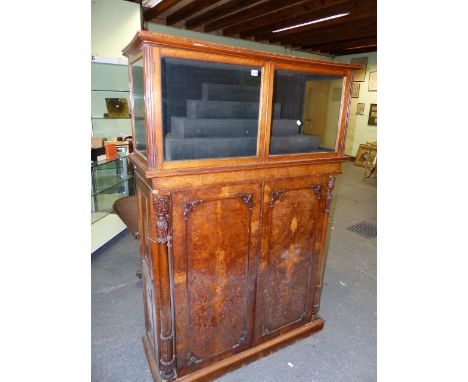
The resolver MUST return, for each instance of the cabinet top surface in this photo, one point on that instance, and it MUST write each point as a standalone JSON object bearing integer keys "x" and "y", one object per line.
{"x": 161, "y": 39}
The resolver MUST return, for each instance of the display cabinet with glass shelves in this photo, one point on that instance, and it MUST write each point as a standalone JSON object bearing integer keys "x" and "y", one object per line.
{"x": 111, "y": 179}
{"x": 236, "y": 153}
{"x": 108, "y": 81}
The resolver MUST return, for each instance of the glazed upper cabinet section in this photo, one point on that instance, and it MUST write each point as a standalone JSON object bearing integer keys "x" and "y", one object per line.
{"x": 210, "y": 109}
{"x": 198, "y": 104}
{"x": 309, "y": 114}
{"x": 215, "y": 244}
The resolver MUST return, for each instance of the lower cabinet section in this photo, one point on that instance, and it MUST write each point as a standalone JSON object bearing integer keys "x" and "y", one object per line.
{"x": 237, "y": 271}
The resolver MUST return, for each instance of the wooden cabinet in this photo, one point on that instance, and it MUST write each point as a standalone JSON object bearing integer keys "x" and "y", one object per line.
{"x": 234, "y": 192}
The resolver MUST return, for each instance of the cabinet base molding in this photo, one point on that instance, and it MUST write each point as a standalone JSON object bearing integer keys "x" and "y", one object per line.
{"x": 217, "y": 369}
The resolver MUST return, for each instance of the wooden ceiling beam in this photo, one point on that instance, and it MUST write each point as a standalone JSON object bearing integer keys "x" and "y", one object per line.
{"x": 343, "y": 44}
{"x": 335, "y": 34}
{"x": 300, "y": 33}
{"x": 218, "y": 11}
{"x": 249, "y": 13}
{"x": 188, "y": 10}
{"x": 293, "y": 11}
{"x": 164, "y": 5}
{"x": 356, "y": 15}
{"x": 358, "y": 50}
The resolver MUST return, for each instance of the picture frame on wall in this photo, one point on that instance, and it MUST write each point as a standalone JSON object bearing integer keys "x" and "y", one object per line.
{"x": 373, "y": 81}
{"x": 367, "y": 153}
{"x": 360, "y": 108}
{"x": 361, "y": 155}
{"x": 360, "y": 75}
{"x": 355, "y": 90}
{"x": 372, "y": 115}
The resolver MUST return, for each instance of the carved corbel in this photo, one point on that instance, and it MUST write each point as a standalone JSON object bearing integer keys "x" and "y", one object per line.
{"x": 163, "y": 226}
{"x": 331, "y": 186}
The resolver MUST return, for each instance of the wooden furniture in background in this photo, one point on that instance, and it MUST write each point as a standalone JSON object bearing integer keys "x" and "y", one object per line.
{"x": 370, "y": 163}
{"x": 232, "y": 248}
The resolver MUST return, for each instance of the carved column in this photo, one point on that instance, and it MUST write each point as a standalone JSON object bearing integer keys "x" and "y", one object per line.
{"x": 318, "y": 284}
{"x": 162, "y": 206}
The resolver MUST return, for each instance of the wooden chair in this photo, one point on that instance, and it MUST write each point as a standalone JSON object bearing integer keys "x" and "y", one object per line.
{"x": 127, "y": 210}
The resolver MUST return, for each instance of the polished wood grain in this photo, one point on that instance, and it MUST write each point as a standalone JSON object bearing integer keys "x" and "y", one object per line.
{"x": 232, "y": 249}
{"x": 290, "y": 215}
{"x": 215, "y": 249}
{"x": 195, "y": 45}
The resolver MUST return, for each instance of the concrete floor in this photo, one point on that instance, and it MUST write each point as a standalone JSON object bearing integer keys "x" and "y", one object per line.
{"x": 344, "y": 351}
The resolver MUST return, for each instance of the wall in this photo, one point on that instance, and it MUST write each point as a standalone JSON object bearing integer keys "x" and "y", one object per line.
{"x": 358, "y": 129}
{"x": 113, "y": 25}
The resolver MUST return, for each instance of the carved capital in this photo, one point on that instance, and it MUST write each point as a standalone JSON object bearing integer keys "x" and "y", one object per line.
{"x": 247, "y": 198}
{"x": 275, "y": 195}
{"x": 189, "y": 206}
{"x": 318, "y": 190}
{"x": 163, "y": 226}
{"x": 331, "y": 186}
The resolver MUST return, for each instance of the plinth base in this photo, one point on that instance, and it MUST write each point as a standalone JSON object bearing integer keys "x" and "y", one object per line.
{"x": 235, "y": 361}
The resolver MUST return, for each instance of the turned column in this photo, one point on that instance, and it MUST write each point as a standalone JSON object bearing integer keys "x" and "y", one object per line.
{"x": 320, "y": 249}
{"x": 162, "y": 206}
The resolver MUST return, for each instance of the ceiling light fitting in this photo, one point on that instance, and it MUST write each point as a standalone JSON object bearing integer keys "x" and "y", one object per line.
{"x": 150, "y": 3}
{"x": 311, "y": 22}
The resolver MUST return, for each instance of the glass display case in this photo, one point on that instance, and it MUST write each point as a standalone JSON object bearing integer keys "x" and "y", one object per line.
{"x": 109, "y": 82}
{"x": 110, "y": 180}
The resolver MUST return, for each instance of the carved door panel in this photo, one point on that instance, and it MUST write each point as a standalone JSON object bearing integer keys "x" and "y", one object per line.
{"x": 289, "y": 257}
{"x": 215, "y": 244}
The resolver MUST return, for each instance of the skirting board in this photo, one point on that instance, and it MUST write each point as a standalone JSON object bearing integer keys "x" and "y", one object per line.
{"x": 235, "y": 361}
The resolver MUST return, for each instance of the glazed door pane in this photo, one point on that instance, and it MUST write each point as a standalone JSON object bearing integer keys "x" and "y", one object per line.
{"x": 307, "y": 121}
{"x": 291, "y": 213}
{"x": 214, "y": 249}
{"x": 138, "y": 107}
{"x": 210, "y": 110}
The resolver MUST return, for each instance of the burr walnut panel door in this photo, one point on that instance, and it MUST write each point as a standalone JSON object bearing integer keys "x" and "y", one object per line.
{"x": 215, "y": 243}
{"x": 291, "y": 213}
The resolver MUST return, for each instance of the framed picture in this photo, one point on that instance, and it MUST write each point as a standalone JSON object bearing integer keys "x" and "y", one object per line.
{"x": 366, "y": 154}
{"x": 360, "y": 108}
{"x": 360, "y": 75}
{"x": 373, "y": 81}
{"x": 355, "y": 90}
{"x": 373, "y": 114}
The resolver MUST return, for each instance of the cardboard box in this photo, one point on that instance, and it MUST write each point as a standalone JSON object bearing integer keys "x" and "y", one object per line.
{"x": 97, "y": 142}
